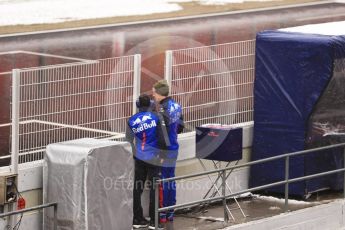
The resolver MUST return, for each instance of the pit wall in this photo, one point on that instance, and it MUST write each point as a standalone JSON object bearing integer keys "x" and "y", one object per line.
{"x": 327, "y": 216}
{"x": 31, "y": 178}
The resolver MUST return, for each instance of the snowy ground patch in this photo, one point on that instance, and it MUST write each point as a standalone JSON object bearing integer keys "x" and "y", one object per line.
{"x": 28, "y": 12}
{"x": 281, "y": 200}
{"x": 54, "y": 11}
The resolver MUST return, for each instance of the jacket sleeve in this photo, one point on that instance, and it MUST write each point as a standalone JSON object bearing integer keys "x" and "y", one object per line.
{"x": 162, "y": 133}
{"x": 180, "y": 126}
{"x": 162, "y": 138}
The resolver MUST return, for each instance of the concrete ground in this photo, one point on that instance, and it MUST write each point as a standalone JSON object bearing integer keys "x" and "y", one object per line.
{"x": 255, "y": 207}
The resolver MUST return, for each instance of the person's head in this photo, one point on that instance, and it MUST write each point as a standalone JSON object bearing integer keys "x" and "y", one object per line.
{"x": 144, "y": 102}
{"x": 160, "y": 90}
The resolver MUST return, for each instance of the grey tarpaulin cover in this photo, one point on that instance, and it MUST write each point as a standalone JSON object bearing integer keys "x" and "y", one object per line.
{"x": 92, "y": 182}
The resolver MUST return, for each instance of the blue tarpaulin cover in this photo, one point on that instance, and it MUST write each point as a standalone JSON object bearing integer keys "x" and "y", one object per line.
{"x": 292, "y": 93}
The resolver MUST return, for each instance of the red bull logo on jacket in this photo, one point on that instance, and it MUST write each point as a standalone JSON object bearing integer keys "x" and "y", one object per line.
{"x": 144, "y": 126}
{"x": 142, "y": 119}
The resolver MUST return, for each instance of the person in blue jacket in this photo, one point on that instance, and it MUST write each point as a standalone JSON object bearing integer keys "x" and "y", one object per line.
{"x": 145, "y": 135}
{"x": 172, "y": 124}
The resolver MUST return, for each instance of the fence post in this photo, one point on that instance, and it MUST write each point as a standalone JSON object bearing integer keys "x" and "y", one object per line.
{"x": 156, "y": 186}
{"x": 168, "y": 67}
{"x": 15, "y": 133}
{"x": 286, "y": 207}
{"x": 344, "y": 173}
{"x": 226, "y": 217}
{"x": 15, "y": 120}
{"x": 136, "y": 80}
{"x": 55, "y": 217}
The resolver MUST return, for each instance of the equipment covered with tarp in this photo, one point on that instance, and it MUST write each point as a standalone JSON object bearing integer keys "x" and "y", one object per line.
{"x": 91, "y": 180}
{"x": 299, "y": 103}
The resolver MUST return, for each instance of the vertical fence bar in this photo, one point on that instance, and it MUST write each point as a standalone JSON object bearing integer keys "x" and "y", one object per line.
{"x": 15, "y": 119}
{"x": 344, "y": 174}
{"x": 55, "y": 217}
{"x": 168, "y": 67}
{"x": 286, "y": 206}
{"x": 15, "y": 132}
{"x": 226, "y": 217}
{"x": 156, "y": 184}
{"x": 136, "y": 80}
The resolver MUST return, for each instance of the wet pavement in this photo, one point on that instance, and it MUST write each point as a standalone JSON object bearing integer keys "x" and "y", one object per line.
{"x": 255, "y": 207}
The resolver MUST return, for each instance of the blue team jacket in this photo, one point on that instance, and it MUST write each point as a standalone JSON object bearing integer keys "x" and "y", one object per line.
{"x": 173, "y": 119}
{"x": 143, "y": 127}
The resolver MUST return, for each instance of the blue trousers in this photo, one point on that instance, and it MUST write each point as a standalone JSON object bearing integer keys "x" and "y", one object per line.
{"x": 169, "y": 187}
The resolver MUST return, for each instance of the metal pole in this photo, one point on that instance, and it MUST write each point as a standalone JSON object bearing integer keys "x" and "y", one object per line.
{"x": 253, "y": 162}
{"x": 55, "y": 217}
{"x": 136, "y": 80}
{"x": 216, "y": 187}
{"x": 344, "y": 173}
{"x": 280, "y": 183}
{"x": 2, "y": 215}
{"x": 156, "y": 203}
{"x": 15, "y": 119}
{"x": 226, "y": 217}
{"x": 217, "y": 179}
{"x": 15, "y": 132}
{"x": 168, "y": 67}
{"x": 286, "y": 207}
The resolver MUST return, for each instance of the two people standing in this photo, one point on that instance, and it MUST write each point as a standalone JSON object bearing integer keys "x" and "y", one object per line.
{"x": 153, "y": 135}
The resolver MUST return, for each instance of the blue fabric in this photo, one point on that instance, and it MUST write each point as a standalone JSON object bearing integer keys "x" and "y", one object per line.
{"x": 219, "y": 143}
{"x": 172, "y": 113}
{"x": 292, "y": 71}
{"x": 169, "y": 188}
{"x": 144, "y": 126}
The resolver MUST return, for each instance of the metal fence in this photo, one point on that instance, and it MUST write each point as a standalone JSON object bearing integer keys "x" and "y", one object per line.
{"x": 20, "y": 59}
{"x": 55, "y": 103}
{"x": 70, "y": 101}
{"x": 223, "y": 172}
{"x": 214, "y": 84}
{"x": 5, "y": 116}
{"x": 39, "y": 207}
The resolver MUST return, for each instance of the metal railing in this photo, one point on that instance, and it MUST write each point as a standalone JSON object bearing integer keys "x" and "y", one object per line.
{"x": 39, "y": 207}
{"x": 222, "y": 172}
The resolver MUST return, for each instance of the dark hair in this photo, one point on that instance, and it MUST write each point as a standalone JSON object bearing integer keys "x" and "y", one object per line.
{"x": 144, "y": 101}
